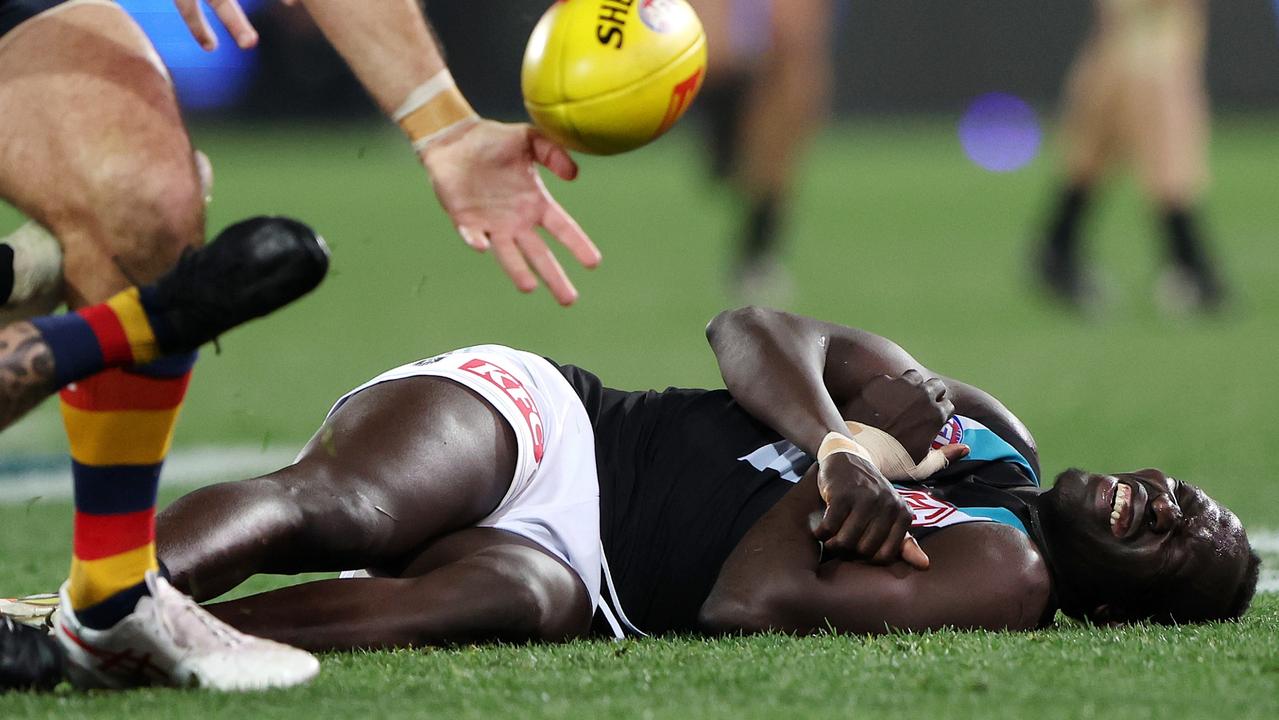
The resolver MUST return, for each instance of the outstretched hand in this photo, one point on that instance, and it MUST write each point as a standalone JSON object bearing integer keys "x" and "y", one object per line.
{"x": 865, "y": 517}
{"x": 229, "y": 13}
{"x": 485, "y": 175}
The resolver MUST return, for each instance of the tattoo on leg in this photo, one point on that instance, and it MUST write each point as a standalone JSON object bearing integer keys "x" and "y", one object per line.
{"x": 26, "y": 371}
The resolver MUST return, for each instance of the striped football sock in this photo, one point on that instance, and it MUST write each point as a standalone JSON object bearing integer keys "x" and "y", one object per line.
{"x": 117, "y": 333}
{"x": 119, "y": 414}
{"x": 120, "y": 424}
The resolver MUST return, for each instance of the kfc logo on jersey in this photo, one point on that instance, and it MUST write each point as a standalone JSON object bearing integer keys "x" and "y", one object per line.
{"x": 514, "y": 390}
{"x": 952, "y": 433}
{"x": 928, "y": 511}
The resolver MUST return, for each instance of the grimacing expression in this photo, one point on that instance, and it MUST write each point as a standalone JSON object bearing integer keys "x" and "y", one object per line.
{"x": 1142, "y": 545}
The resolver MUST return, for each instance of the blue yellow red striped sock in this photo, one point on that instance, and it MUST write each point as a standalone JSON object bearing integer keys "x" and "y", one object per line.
{"x": 117, "y": 333}
{"x": 120, "y": 424}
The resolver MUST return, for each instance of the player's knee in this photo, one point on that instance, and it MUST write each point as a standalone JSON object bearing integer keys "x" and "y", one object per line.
{"x": 175, "y": 214}
{"x": 542, "y": 600}
{"x": 154, "y": 213}
{"x": 327, "y": 511}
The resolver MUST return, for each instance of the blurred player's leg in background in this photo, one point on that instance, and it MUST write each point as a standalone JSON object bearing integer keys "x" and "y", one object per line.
{"x": 1137, "y": 90}
{"x": 768, "y": 87}
{"x": 1168, "y": 118}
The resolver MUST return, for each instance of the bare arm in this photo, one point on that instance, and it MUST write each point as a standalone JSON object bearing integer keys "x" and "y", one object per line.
{"x": 386, "y": 43}
{"x": 983, "y": 575}
{"x": 800, "y": 376}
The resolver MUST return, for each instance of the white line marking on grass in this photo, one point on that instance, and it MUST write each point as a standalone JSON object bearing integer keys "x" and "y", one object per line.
{"x": 1266, "y": 543}
{"x": 50, "y": 477}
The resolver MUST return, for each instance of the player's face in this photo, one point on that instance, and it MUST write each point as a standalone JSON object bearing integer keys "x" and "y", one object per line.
{"x": 1141, "y": 544}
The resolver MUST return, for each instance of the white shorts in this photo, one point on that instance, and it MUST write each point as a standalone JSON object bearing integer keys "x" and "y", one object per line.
{"x": 554, "y": 498}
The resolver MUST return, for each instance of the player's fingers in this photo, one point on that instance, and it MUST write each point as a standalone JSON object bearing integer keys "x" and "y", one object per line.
{"x": 564, "y": 228}
{"x": 913, "y": 554}
{"x": 547, "y": 267}
{"x": 955, "y": 453}
{"x": 193, "y": 16}
{"x": 513, "y": 263}
{"x": 873, "y": 539}
{"x": 552, "y": 156}
{"x": 473, "y": 238}
{"x": 848, "y": 538}
{"x": 891, "y": 547}
{"x": 235, "y": 21}
{"x": 832, "y": 520}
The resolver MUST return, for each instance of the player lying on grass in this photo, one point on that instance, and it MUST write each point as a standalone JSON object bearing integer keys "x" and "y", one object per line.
{"x": 253, "y": 268}
{"x": 494, "y": 494}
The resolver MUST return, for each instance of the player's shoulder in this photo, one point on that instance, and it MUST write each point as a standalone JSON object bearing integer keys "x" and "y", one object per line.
{"x": 978, "y": 405}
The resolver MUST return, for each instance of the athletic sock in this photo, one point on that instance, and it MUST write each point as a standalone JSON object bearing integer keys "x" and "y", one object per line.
{"x": 119, "y": 421}
{"x": 1184, "y": 243}
{"x": 722, "y": 101}
{"x": 1063, "y": 232}
{"x": 760, "y": 233}
{"x": 1190, "y": 255}
{"x": 120, "y": 424}
{"x": 117, "y": 333}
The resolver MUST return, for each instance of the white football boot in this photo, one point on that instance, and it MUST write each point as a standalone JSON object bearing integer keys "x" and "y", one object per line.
{"x": 37, "y": 611}
{"x": 170, "y": 640}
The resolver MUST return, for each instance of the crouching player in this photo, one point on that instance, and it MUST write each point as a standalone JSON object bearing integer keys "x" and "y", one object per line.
{"x": 493, "y": 494}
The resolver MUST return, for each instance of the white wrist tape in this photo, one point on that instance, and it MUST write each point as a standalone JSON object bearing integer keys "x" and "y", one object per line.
{"x": 890, "y": 457}
{"x": 433, "y": 109}
{"x": 837, "y": 443}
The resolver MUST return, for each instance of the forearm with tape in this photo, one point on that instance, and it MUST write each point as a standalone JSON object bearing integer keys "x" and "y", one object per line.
{"x": 890, "y": 457}
{"x": 835, "y": 442}
{"x": 433, "y": 109}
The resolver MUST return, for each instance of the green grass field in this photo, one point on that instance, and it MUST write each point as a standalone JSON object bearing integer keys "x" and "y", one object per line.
{"x": 894, "y": 231}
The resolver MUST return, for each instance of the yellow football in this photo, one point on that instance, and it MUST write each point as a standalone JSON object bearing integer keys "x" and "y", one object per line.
{"x": 607, "y": 76}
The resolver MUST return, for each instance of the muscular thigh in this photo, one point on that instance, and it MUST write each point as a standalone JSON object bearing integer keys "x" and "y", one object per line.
{"x": 403, "y": 462}
{"x": 95, "y": 148}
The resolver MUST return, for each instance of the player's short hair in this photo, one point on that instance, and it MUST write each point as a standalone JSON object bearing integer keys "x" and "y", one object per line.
{"x": 1247, "y": 588}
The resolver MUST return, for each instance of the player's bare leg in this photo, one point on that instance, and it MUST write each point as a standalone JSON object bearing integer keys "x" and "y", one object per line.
{"x": 398, "y": 465}
{"x": 1167, "y": 118}
{"x": 394, "y": 481}
{"x": 113, "y": 176}
{"x": 1090, "y": 140}
{"x": 479, "y": 584}
{"x": 769, "y": 81}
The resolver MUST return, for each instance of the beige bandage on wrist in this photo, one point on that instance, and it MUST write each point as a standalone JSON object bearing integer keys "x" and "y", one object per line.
{"x": 433, "y": 108}
{"x": 890, "y": 457}
{"x": 839, "y": 443}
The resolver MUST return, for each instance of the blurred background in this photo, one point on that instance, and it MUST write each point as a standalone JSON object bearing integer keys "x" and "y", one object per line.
{"x": 918, "y": 209}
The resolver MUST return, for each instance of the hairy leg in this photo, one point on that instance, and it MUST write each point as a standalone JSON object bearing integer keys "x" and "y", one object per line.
{"x": 398, "y": 465}
{"x": 107, "y": 166}
{"x": 479, "y": 584}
